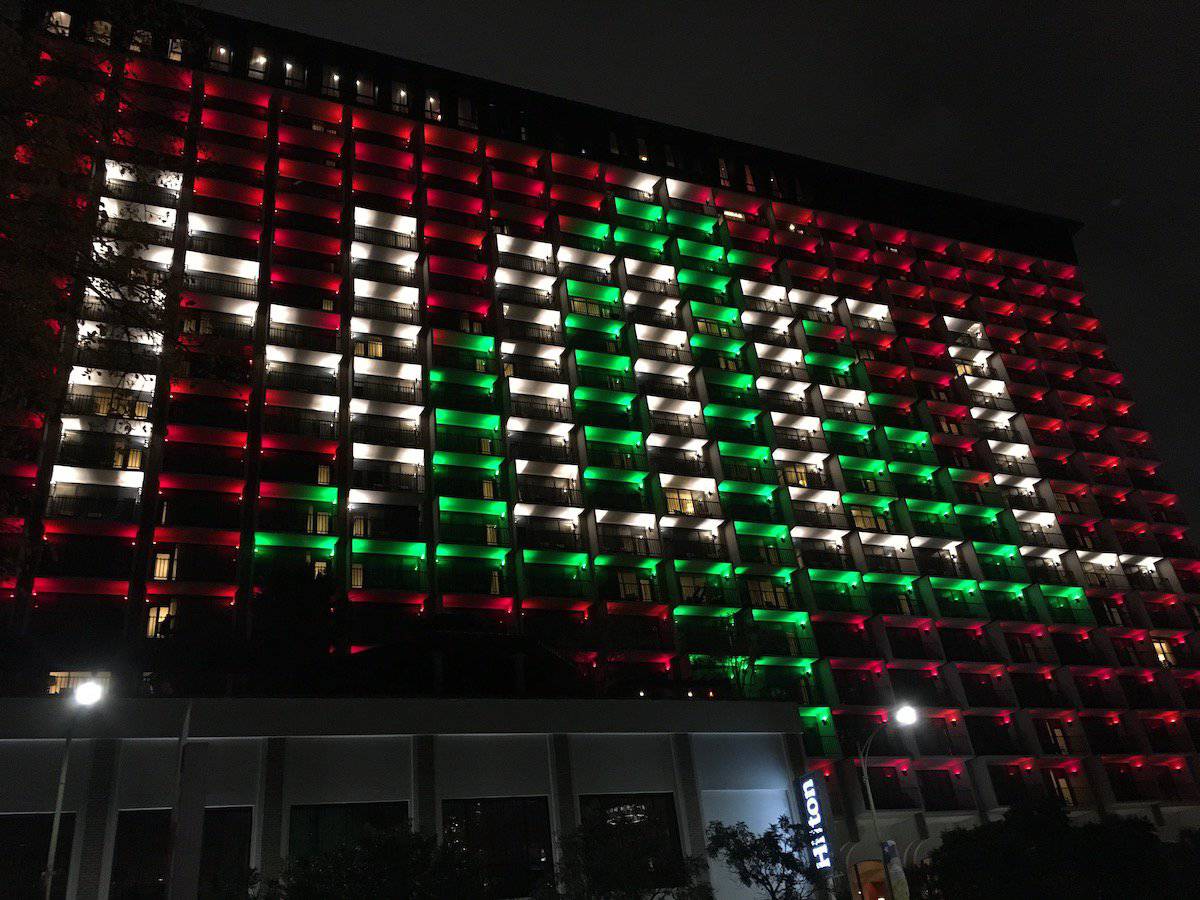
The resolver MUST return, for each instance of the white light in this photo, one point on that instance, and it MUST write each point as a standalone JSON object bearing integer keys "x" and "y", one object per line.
{"x": 906, "y": 715}
{"x": 89, "y": 693}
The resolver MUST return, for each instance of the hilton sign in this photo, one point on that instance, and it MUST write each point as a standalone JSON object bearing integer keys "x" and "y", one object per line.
{"x": 815, "y": 810}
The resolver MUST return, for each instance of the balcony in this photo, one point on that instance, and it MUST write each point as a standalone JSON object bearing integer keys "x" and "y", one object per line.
{"x": 610, "y": 541}
{"x": 305, "y": 424}
{"x": 543, "y": 450}
{"x": 549, "y": 494}
{"x": 541, "y": 408}
{"x": 386, "y": 310}
{"x": 221, "y": 285}
{"x": 373, "y": 270}
{"x": 121, "y": 509}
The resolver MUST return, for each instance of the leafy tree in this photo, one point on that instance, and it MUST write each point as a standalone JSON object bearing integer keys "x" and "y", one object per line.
{"x": 775, "y": 862}
{"x": 599, "y": 861}
{"x": 396, "y": 864}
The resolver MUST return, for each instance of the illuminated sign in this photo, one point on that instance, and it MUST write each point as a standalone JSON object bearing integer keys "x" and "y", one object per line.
{"x": 815, "y": 809}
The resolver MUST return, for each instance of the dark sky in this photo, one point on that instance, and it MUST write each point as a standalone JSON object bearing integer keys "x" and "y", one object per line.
{"x": 1086, "y": 110}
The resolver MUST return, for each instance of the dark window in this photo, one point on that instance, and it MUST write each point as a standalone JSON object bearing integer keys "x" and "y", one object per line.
{"x": 512, "y": 833}
{"x": 319, "y": 827}
{"x": 139, "y": 863}
{"x": 646, "y": 821}
{"x": 225, "y": 852}
{"x": 25, "y": 840}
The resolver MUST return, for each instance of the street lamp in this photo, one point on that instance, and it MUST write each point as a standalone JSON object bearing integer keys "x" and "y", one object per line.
{"x": 905, "y": 716}
{"x": 86, "y": 695}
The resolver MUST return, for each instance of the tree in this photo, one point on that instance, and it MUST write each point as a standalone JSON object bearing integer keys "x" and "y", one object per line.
{"x": 775, "y": 862}
{"x": 630, "y": 861}
{"x": 396, "y": 864}
{"x": 1036, "y": 852}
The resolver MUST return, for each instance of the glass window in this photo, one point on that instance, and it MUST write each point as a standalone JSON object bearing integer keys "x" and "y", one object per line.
{"x": 26, "y": 841}
{"x": 320, "y": 567}
{"x": 433, "y": 106}
{"x": 645, "y": 821}
{"x": 66, "y": 682}
{"x": 175, "y": 50}
{"x": 399, "y": 96}
{"x": 101, "y": 32}
{"x": 294, "y": 74}
{"x": 139, "y": 861}
{"x": 331, "y": 81}
{"x": 723, "y": 171}
{"x": 318, "y": 828}
{"x": 160, "y": 619}
{"x": 749, "y": 178}
{"x": 220, "y": 56}
{"x": 364, "y": 89}
{"x": 58, "y": 22}
{"x": 258, "y": 64}
{"x": 466, "y": 113}
{"x": 356, "y": 575}
{"x": 643, "y": 151}
{"x": 140, "y": 41}
{"x": 669, "y": 155}
{"x": 511, "y": 833}
{"x": 324, "y": 474}
{"x": 164, "y": 566}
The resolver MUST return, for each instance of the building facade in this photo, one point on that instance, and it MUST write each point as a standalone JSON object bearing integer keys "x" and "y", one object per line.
{"x": 670, "y": 420}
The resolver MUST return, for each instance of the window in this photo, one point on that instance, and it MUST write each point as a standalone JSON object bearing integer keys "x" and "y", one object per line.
{"x": 219, "y": 57}
{"x": 614, "y": 146}
{"x": 358, "y": 526}
{"x": 164, "y": 566}
{"x": 723, "y": 171}
{"x": 867, "y": 519}
{"x": 140, "y": 42}
{"x": 433, "y": 106}
{"x": 370, "y": 347}
{"x": 324, "y": 474}
{"x": 294, "y": 74}
{"x": 767, "y": 593}
{"x": 140, "y": 853}
{"x": 645, "y": 821}
{"x": 318, "y": 522}
{"x": 1164, "y": 651}
{"x": 356, "y": 575}
{"x": 511, "y": 833}
{"x": 160, "y": 620}
{"x": 26, "y": 840}
{"x": 318, "y": 828}
{"x": 399, "y": 96}
{"x": 749, "y": 178}
{"x": 175, "y": 50}
{"x": 635, "y": 586}
{"x": 101, "y": 32}
{"x": 225, "y": 851}
{"x": 58, "y": 22}
{"x": 66, "y": 682}
{"x": 331, "y": 81}
{"x": 669, "y": 156}
{"x": 681, "y": 502}
{"x": 466, "y": 113}
{"x": 364, "y": 89}
{"x": 258, "y": 64}
{"x": 320, "y": 568}
{"x": 643, "y": 151}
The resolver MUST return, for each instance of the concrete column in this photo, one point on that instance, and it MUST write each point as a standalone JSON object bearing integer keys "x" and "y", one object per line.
{"x": 687, "y": 792}
{"x": 424, "y": 781}
{"x": 187, "y": 821}
{"x": 271, "y": 845}
{"x": 562, "y": 785}
{"x": 97, "y": 827}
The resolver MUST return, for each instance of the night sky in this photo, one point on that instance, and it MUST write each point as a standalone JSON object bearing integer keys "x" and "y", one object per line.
{"x": 1084, "y": 110}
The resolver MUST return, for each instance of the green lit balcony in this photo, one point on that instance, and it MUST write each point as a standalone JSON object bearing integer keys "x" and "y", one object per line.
{"x": 958, "y": 598}
{"x": 389, "y": 565}
{"x": 764, "y": 544}
{"x": 640, "y": 243}
{"x": 608, "y": 371}
{"x": 615, "y": 448}
{"x": 555, "y": 573}
{"x": 933, "y": 519}
{"x": 869, "y": 512}
{"x": 734, "y": 388}
{"x": 627, "y": 578}
{"x": 892, "y": 593}
{"x": 586, "y": 234}
{"x": 459, "y": 389}
{"x": 1000, "y": 562}
{"x": 468, "y": 475}
{"x": 747, "y": 462}
{"x": 750, "y": 501}
{"x": 596, "y": 301}
{"x": 1067, "y": 605}
{"x": 818, "y": 734}
{"x": 618, "y": 489}
{"x": 984, "y": 523}
{"x": 699, "y": 256}
{"x": 782, "y": 635}
{"x": 691, "y": 223}
{"x": 866, "y": 475}
{"x": 705, "y": 583}
{"x": 914, "y": 480}
{"x": 468, "y": 432}
{"x": 612, "y": 409}
{"x": 910, "y": 445}
{"x": 465, "y": 520}
{"x": 1008, "y": 600}
{"x": 848, "y": 438}
{"x": 640, "y": 214}
{"x": 835, "y": 591}
{"x": 594, "y": 333}
{"x": 473, "y": 352}
{"x": 708, "y": 630}
{"x": 469, "y": 569}
{"x": 735, "y": 424}
{"x": 768, "y": 587}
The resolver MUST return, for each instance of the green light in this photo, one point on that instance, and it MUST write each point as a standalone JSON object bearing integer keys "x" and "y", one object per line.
{"x": 929, "y": 507}
{"x": 600, "y": 473}
{"x": 988, "y": 513}
{"x": 635, "y": 209}
{"x": 626, "y": 561}
{"x": 699, "y": 567}
{"x": 303, "y": 492}
{"x": 744, "y": 451}
{"x": 706, "y": 252}
{"x": 738, "y": 380}
{"x": 609, "y": 361}
{"x": 855, "y": 464}
{"x": 285, "y": 539}
{"x": 905, "y": 581}
{"x": 639, "y": 238}
{"x": 479, "y": 343}
{"x": 867, "y": 500}
{"x": 828, "y": 360}
{"x": 748, "y": 259}
{"x": 794, "y": 662}
{"x": 1006, "y": 550}
{"x": 747, "y": 487}
{"x": 466, "y": 551}
{"x": 691, "y": 220}
{"x": 736, "y": 413}
{"x": 1072, "y": 594}
{"x": 587, "y": 394}
{"x": 554, "y": 558}
{"x": 906, "y": 435}
{"x": 823, "y": 329}
{"x": 725, "y": 345}
{"x": 597, "y": 231}
{"x": 705, "y": 280}
{"x": 953, "y": 584}
{"x": 578, "y": 321}
{"x": 917, "y": 470}
{"x": 475, "y": 507}
{"x": 758, "y": 529}
{"x": 689, "y": 611}
{"x": 794, "y": 616}
{"x": 893, "y": 400}
{"x": 1003, "y": 587}
{"x": 459, "y": 419}
{"x": 389, "y": 548}
{"x": 775, "y": 572}
{"x": 595, "y": 433}
{"x": 602, "y": 293}
{"x": 458, "y": 376}
{"x": 446, "y": 459}
{"x": 834, "y": 576}
{"x": 854, "y": 429}
{"x": 714, "y": 311}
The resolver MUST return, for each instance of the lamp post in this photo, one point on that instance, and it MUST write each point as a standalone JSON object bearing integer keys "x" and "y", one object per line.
{"x": 86, "y": 695}
{"x": 906, "y": 716}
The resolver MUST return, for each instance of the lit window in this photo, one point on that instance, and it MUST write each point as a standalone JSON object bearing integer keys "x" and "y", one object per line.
{"x": 749, "y": 178}
{"x": 330, "y": 81}
{"x": 58, "y": 22}
{"x": 219, "y": 57}
{"x": 294, "y": 74}
{"x": 643, "y": 151}
{"x": 321, "y": 523}
{"x": 723, "y": 171}
{"x": 258, "y": 64}
{"x": 164, "y": 565}
{"x": 66, "y": 682}
{"x": 324, "y": 474}
{"x": 358, "y": 526}
{"x": 160, "y": 620}
{"x": 433, "y": 106}
{"x": 399, "y": 96}
{"x": 320, "y": 568}
{"x": 364, "y": 89}
{"x": 356, "y": 575}
{"x": 175, "y": 50}
{"x": 140, "y": 42}
{"x": 101, "y": 32}
{"x": 1164, "y": 651}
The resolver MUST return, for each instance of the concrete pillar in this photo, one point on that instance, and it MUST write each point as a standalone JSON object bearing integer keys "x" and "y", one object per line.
{"x": 271, "y": 804}
{"x": 687, "y": 791}
{"x": 97, "y": 827}
{"x": 424, "y": 781}
{"x": 187, "y": 823}
{"x": 562, "y": 785}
